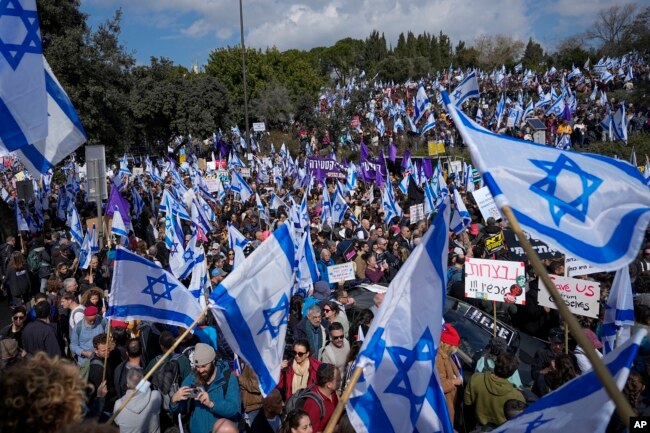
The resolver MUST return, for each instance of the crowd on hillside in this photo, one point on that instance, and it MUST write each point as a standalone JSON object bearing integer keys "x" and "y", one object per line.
{"x": 62, "y": 362}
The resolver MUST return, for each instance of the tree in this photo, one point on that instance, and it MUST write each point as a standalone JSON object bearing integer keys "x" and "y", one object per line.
{"x": 497, "y": 50}
{"x": 533, "y": 55}
{"x": 374, "y": 50}
{"x": 273, "y": 105}
{"x": 464, "y": 56}
{"x": 570, "y": 53}
{"x": 445, "y": 50}
{"x": 612, "y": 28}
{"x": 202, "y": 106}
{"x": 344, "y": 57}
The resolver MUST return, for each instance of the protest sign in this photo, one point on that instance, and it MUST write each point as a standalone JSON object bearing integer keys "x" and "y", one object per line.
{"x": 581, "y": 296}
{"x": 486, "y": 203}
{"x": 494, "y": 243}
{"x": 486, "y": 321}
{"x": 259, "y": 127}
{"x": 245, "y": 172}
{"x": 516, "y": 251}
{"x": 436, "y": 147}
{"x": 138, "y": 171}
{"x": 321, "y": 168}
{"x": 203, "y": 164}
{"x": 416, "y": 213}
{"x": 344, "y": 271}
{"x": 495, "y": 280}
{"x": 574, "y": 267}
{"x": 211, "y": 184}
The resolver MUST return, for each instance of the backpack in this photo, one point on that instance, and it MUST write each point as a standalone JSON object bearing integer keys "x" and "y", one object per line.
{"x": 84, "y": 369}
{"x": 167, "y": 379}
{"x": 298, "y": 399}
{"x": 36, "y": 265}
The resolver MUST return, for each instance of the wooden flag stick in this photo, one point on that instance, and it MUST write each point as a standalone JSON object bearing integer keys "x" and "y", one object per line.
{"x": 159, "y": 363}
{"x": 622, "y": 405}
{"x": 108, "y": 349}
{"x": 331, "y": 424}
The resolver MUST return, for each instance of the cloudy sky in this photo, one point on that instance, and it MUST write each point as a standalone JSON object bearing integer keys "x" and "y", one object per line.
{"x": 187, "y": 30}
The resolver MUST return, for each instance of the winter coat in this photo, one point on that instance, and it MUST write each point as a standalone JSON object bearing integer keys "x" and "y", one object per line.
{"x": 141, "y": 415}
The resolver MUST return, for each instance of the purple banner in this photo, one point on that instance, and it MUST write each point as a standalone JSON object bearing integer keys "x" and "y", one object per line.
{"x": 322, "y": 168}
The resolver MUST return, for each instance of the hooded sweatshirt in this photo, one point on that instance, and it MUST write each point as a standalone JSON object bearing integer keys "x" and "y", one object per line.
{"x": 488, "y": 393}
{"x": 141, "y": 414}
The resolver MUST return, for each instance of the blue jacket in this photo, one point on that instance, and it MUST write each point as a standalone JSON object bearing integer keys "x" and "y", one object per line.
{"x": 322, "y": 269}
{"x": 202, "y": 419}
{"x": 81, "y": 337}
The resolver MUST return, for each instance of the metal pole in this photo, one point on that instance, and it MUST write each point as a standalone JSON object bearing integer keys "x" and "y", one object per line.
{"x": 243, "y": 65}
{"x": 98, "y": 200}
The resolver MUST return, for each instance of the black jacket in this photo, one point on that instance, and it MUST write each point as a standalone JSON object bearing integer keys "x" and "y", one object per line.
{"x": 39, "y": 336}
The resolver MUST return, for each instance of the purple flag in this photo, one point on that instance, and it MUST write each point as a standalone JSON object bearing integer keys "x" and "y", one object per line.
{"x": 566, "y": 114}
{"x": 427, "y": 167}
{"x": 364, "y": 151}
{"x": 116, "y": 199}
{"x": 392, "y": 152}
{"x": 405, "y": 159}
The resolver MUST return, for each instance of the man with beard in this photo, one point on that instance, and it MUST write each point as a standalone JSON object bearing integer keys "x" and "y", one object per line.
{"x": 209, "y": 393}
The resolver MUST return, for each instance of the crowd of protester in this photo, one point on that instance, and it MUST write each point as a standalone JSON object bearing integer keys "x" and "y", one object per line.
{"x": 64, "y": 367}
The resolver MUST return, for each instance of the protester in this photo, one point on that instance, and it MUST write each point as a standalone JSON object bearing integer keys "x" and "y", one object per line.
{"x": 141, "y": 414}
{"x": 299, "y": 372}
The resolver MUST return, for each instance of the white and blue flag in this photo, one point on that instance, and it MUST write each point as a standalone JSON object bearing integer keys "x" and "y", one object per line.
{"x": 307, "y": 269}
{"x": 580, "y": 402}
{"x": 421, "y": 103}
{"x": 389, "y": 204}
{"x": 118, "y": 227}
{"x": 85, "y": 254}
{"x": 429, "y": 125}
{"x": 261, "y": 209}
{"x": 142, "y": 290}
{"x": 21, "y": 222}
{"x": 237, "y": 242}
{"x": 251, "y": 306}
{"x": 399, "y": 390}
{"x": 619, "y": 124}
{"x": 94, "y": 241}
{"x": 339, "y": 206}
{"x": 65, "y": 131}
{"x": 239, "y": 185}
{"x": 589, "y": 206}
{"x": 619, "y": 312}
{"x": 460, "y": 218}
{"x": 468, "y": 88}
{"x": 74, "y": 222}
{"x": 23, "y": 98}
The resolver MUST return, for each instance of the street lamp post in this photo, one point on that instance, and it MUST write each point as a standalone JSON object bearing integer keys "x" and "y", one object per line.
{"x": 243, "y": 63}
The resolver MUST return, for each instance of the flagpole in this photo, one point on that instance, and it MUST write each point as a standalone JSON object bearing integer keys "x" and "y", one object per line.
{"x": 159, "y": 363}
{"x": 108, "y": 346}
{"x": 622, "y": 405}
{"x": 340, "y": 407}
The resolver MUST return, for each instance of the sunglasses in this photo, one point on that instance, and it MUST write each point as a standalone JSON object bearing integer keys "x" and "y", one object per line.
{"x": 340, "y": 337}
{"x": 296, "y": 353}
{"x": 19, "y": 317}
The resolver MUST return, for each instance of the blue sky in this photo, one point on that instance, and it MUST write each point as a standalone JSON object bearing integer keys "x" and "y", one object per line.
{"x": 187, "y": 30}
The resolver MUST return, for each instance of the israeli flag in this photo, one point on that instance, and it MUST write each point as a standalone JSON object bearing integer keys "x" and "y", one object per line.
{"x": 563, "y": 142}
{"x": 74, "y": 222}
{"x": 200, "y": 282}
{"x": 20, "y": 220}
{"x": 235, "y": 161}
{"x": 142, "y": 290}
{"x": 239, "y": 185}
{"x": 351, "y": 179}
{"x": 6, "y": 197}
{"x": 276, "y": 202}
{"x": 429, "y": 199}
{"x": 171, "y": 206}
{"x": 339, "y": 206}
{"x": 527, "y": 111}
{"x": 460, "y": 218}
{"x": 468, "y": 88}
{"x": 501, "y": 108}
{"x": 65, "y": 131}
{"x": 251, "y": 306}
{"x": 237, "y": 242}
{"x": 23, "y": 99}
{"x": 399, "y": 390}
{"x": 431, "y": 123}
{"x": 261, "y": 210}
{"x": 175, "y": 241}
{"x": 619, "y": 124}
{"x": 307, "y": 269}
{"x": 421, "y": 103}
{"x": 619, "y": 312}
{"x": 580, "y": 402}
{"x": 389, "y": 204}
{"x": 199, "y": 217}
{"x": 85, "y": 253}
{"x": 118, "y": 227}
{"x": 589, "y": 206}
{"x": 557, "y": 107}
{"x": 94, "y": 241}
{"x": 138, "y": 203}
{"x": 326, "y": 210}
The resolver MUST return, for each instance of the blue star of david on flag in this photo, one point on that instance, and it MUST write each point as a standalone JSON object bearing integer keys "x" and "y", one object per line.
{"x": 31, "y": 42}
{"x": 576, "y": 207}
{"x": 275, "y": 317}
{"x": 152, "y": 282}
{"x": 188, "y": 256}
{"x": 174, "y": 248}
{"x": 458, "y": 94}
{"x": 405, "y": 359}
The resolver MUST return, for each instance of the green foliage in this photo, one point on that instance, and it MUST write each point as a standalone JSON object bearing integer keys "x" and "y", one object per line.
{"x": 533, "y": 55}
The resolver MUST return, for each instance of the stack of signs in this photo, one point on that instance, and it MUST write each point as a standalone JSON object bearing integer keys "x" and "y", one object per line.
{"x": 581, "y": 296}
{"x": 495, "y": 280}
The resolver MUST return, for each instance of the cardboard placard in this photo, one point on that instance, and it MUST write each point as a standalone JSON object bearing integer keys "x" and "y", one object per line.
{"x": 203, "y": 164}
{"x": 137, "y": 171}
{"x": 436, "y": 147}
{"x": 211, "y": 184}
{"x": 581, "y": 296}
{"x": 574, "y": 267}
{"x": 416, "y": 213}
{"x": 344, "y": 271}
{"x": 486, "y": 204}
{"x": 495, "y": 280}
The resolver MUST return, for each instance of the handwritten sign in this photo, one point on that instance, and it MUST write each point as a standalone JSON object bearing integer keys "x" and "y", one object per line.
{"x": 259, "y": 126}
{"x": 574, "y": 267}
{"x": 495, "y": 280}
{"x": 416, "y": 213}
{"x": 494, "y": 243}
{"x": 245, "y": 172}
{"x": 344, "y": 271}
{"x": 581, "y": 296}
{"x": 211, "y": 184}
{"x": 486, "y": 203}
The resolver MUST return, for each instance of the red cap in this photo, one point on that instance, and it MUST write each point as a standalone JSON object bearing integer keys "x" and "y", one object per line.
{"x": 450, "y": 335}
{"x": 91, "y": 311}
{"x": 119, "y": 324}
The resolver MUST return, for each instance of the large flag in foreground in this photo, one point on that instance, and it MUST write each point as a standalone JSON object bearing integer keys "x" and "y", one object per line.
{"x": 252, "y": 305}
{"x": 142, "y": 290}
{"x": 399, "y": 390}
{"x": 65, "y": 131}
{"x": 23, "y": 101}
{"x": 581, "y": 402}
{"x": 589, "y": 206}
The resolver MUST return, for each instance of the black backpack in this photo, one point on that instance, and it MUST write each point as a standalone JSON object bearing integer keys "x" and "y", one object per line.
{"x": 298, "y": 399}
{"x": 167, "y": 379}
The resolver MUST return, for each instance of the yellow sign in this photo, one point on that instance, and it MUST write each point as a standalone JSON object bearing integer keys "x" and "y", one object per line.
{"x": 436, "y": 148}
{"x": 494, "y": 243}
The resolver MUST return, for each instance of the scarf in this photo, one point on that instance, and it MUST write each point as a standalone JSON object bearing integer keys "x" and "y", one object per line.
{"x": 300, "y": 376}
